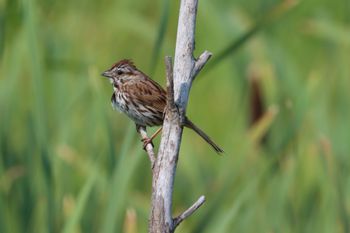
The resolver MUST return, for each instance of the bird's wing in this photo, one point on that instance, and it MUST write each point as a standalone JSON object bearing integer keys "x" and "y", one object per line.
{"x": 147, "y": 93}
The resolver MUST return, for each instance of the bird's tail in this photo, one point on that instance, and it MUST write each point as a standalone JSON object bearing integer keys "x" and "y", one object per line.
{"x": 203, "y": 135}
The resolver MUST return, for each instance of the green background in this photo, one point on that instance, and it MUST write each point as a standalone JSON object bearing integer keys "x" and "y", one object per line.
{"x": 69, "y": 163}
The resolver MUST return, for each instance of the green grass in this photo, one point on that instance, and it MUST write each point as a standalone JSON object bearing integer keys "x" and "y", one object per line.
{"x": 69, "y": 163}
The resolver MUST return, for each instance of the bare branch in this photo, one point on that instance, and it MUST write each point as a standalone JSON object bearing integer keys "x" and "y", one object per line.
{"x": 187, "y": 213}
{"x": 201, "y": 61}
{"x": 170, "y": 81}
{"x": 184, "y": 61}
{"x": 149, "y": 147}
{"x": 179, "y": 83}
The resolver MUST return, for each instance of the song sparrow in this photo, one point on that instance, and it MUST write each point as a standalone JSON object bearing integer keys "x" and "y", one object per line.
{"x": 142, "y": 99}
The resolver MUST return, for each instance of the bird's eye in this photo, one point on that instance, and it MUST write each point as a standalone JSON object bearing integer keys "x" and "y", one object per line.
{"x": 119, "y": 72}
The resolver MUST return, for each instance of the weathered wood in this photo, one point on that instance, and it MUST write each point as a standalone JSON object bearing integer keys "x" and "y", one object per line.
{"x": 179, "y": 82}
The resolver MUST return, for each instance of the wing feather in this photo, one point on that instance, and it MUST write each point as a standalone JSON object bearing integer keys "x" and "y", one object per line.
{"x": 147, "y": 93}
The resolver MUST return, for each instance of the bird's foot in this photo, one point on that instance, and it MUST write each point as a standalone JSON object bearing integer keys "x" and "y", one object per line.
{"x": 147, "y": 141}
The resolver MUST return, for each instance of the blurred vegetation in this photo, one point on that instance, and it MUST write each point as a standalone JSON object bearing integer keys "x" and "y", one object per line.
{"x": 69, "y": 163}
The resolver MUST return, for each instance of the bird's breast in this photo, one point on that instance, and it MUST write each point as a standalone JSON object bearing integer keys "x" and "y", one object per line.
{"x": 119, "y": 102}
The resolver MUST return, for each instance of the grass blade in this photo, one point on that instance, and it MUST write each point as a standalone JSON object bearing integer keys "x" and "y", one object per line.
{"x": 120, "y": 183}
{"x": 157, "y": 47}
{"x": 83, "y": 197}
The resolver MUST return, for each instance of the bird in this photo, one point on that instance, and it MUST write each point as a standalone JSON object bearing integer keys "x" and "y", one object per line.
{"x": 143, "y": 100}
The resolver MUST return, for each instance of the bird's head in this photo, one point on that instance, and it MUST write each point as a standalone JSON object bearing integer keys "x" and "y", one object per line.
{"x": 123, "y": 69}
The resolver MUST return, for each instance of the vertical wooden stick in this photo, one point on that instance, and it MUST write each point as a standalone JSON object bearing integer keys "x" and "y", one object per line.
{"x": 179, "y": 83}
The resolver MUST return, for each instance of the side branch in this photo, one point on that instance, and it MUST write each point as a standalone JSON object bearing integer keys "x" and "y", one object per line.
{"x": 170, "y": 81}
{"x": 148, "y": 147}
{"x": 200, "y": 62}
{"x": 187, "y": 213}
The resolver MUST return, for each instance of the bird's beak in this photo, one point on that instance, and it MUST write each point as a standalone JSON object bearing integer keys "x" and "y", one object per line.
{"x": 106, "y": 74}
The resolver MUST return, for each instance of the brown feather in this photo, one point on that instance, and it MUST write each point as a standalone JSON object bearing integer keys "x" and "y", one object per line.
{"x": 124, "y": 62}
{"x": 148, "y": 94}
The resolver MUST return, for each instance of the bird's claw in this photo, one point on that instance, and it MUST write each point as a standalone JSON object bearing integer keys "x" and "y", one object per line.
{"x": 146, "y": 141}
